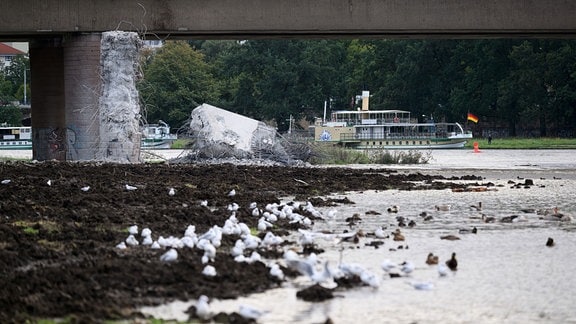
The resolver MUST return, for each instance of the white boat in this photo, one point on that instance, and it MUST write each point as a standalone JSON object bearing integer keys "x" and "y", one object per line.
{"x": 15, "y": 138}
{"x": 388, "y": 129}
{"x": 157, "y": 136}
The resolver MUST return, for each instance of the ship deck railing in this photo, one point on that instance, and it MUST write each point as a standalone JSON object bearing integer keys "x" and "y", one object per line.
{"x": 349, "y": 137}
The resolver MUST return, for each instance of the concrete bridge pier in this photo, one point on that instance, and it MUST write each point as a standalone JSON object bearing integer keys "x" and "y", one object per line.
{"x": 65, "y": 74}
{"x": 47, "y": 99}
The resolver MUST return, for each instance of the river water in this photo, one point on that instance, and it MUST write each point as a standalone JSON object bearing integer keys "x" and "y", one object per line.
{"x": 506, "y": 273}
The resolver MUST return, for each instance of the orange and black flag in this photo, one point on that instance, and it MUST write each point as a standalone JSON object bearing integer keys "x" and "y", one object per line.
{"x": 472, "y": 118}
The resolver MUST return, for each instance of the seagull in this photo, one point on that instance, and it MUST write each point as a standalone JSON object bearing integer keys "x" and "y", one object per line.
{"x": 155, "y": 246}
{"x": 188, "y": 241}
{"x": 169, "y": 256}
{"x": 379, "y": 233}
{"x": 130, "y": 188}
{"x": 203, "y": 308}
{"x": 250, "y": 313}
{"x": 171, "y": 192}
{"x": 407, "y": 267}
{"x": 133, "y": 229}
{"x": 424, "y": 285}
{"x": 209, "y": 271}
{"x": 86, "y": 188}
{"x": 204, "y": 203}
{"x": 6, "y": 181}
{"x": 270, "y": 239}
{"x": 232, "y": 193}
{"x": 147, "y": 240}
{"x": 387, "y": 265}
{"x": 275, "y": 271}
{"x": 255, "y": 256}
{"x": 121, "y": 246}
{"x": 131, "y": 240}
{"x": 190, "y": 231}
{"x": 263, "y": 224}
{"x": 370, "y": 279}
{"x": 442, "y": 207}
{"x": 442, "y": 270}
{"x": 238, "y": 248}
{"x": 146, "y": 232}
{"x": 49, "y": 182}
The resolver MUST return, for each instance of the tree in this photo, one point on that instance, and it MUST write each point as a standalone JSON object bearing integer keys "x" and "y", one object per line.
{"x": 10, "y": 115}
{"x": 176, "y": 80}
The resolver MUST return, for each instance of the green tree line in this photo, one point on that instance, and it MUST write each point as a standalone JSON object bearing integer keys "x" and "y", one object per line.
{"x": 12, "y": 90}
{"x": 511, "y": 85}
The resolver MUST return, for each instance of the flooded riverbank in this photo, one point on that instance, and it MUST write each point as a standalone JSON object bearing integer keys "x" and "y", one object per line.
{"x": 506, "y": 273}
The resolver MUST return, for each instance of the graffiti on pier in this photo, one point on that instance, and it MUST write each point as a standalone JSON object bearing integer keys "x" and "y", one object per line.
{"x": 57, "y": 141}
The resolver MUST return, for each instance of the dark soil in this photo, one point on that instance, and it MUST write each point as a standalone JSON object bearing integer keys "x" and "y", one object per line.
{"x": 57, "y": 243}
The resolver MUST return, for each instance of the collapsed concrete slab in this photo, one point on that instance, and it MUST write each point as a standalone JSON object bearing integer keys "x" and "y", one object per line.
{"x": 219, "y": 133}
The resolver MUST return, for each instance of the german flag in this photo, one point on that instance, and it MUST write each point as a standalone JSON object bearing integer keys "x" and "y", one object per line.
{"x": 472, "y": 118}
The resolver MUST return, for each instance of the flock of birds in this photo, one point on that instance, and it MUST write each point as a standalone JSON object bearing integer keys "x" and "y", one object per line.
{"x": 245, "y": 249}
{"x": 317, "y": 272}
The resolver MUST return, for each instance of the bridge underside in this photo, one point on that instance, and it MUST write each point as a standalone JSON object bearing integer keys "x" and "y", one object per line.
{"x": 65, "y": 35}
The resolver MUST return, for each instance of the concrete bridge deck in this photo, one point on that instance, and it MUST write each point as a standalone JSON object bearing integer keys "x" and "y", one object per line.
{"x": 291, "y": 18}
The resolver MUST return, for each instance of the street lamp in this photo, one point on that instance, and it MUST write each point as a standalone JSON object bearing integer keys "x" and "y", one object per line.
{"x": 25, "y": 86}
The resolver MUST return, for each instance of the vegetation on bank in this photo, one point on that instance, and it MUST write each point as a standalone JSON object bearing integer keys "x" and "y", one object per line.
{"x": 511, "y": 143}
{"x": 515, "y": 86}
{"x": 330, "y": 154}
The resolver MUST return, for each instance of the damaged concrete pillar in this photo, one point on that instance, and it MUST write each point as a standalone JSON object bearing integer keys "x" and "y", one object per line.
{"x": 119, "y": 107}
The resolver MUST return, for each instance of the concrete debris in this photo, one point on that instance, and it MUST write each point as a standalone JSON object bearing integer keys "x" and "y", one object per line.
{"x": 221, "y": 134}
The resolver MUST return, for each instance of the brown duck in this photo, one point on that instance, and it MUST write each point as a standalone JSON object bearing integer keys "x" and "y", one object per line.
{"x": 432, "y": 259}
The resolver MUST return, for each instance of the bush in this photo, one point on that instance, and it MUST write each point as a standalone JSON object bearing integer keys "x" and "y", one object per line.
{"x": 330, "y": 154}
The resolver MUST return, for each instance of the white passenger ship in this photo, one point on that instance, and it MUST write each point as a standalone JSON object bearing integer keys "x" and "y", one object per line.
{"x": 387, "y": 129}
{"x": 15, "y": 138}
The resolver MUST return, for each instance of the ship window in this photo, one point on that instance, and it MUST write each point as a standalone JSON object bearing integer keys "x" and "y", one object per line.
{"x": 393, "y": 142}
{"x": 420, "y": 142}
{"x": 427, "y": 142}
{"x": 380, "y": 143}
{"x": 413, "y": 142}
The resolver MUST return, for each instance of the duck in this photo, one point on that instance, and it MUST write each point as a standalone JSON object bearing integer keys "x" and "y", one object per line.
{"x": 393, "y": 209}
{"x": 509, "y": 219}
{"x": 442, "y": 207}
{"x": 474, "y": 230}
{"x": 477, "y": 207}
{"x": 431, "y": 259}
{"x": 452, "y": 263}
{"x": 550, "y": 242}
{"x": 398, "y": 236}
{"x": 488, "y": 219}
